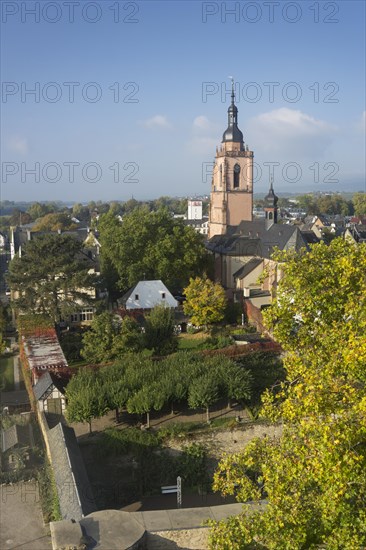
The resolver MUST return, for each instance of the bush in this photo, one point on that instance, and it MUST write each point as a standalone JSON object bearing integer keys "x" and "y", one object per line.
{"x": 217, "y": 342}
{"x": 115, "y": 442}
{"x": 178, "y": 430}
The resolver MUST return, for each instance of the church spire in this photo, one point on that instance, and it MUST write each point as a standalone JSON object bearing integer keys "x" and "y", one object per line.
{"x": 232, "y": 133}
{"x": 270, "y": 206}
{"x": 232, "y": 92}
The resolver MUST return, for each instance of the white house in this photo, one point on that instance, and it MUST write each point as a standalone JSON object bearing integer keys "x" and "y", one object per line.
{"x": 146, "y": 295}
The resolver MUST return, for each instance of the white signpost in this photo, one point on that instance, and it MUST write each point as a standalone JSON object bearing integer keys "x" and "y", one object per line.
{"x": 174, "y": 489}
{"x": 179, "y": 492}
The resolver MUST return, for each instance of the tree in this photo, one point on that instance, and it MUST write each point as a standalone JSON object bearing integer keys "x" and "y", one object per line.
{"x": 19, "y": 218}
{"x": 3, "y": 325}
{"x": 86, "y": 397}
{"x": 314, "y": 476}
{"x": 54, "y": 222}
{"x": 147, "y": 398}
{"x": 309, "y": 204}
{"x": 238, "y": 382}
{"x": 99, "y": 341}
{"x": 159, "y": 331}
{"x": 116, "y": 388}
{"x": 205, "y": 301}
{"x": 38, "y": 210}
{"x": 359, "y": 202}
{"x": 203, "y": 392}
{"x": 109, "y": 339}
{"x": 51, "y": 277}
{"x": 129, "y": 338}
{"x": 150, "y": 245}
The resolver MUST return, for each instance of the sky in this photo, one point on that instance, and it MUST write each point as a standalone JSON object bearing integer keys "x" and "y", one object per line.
{"x": 109, "y": 99}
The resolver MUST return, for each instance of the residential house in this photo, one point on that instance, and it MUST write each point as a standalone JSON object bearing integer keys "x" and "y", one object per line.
{"x": 16, "y": 444}
{"x": 199, "y": 225}
{"x": 49, "y": 392}
{"x": 146, "y": 295}
{"x": 356, "y": 233}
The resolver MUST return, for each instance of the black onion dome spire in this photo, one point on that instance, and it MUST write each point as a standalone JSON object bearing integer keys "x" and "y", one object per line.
{"x": 271, "y": 199}
{"x": 232, "y": 132}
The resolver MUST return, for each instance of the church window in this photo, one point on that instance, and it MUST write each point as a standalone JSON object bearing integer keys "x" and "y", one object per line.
{"x": 236, "y": 176}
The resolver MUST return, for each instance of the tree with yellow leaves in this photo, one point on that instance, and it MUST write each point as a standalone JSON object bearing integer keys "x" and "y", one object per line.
{"x": 205, "y": 301}
{"x": 313, "y": 477}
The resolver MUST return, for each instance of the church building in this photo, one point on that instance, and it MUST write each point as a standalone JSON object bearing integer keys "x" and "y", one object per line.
{"x": 232, "y": 183}
{"x": 242, "y": 247}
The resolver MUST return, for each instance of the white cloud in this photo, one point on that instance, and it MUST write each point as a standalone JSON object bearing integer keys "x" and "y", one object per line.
{"x": 157, "y": 121}
{"x": 290, "y": 131}
{"x": 202, "y": 124}
{"x": 205, "y": 136}
{"x": 361, "y": 124}
{"x": 17, "y": 144}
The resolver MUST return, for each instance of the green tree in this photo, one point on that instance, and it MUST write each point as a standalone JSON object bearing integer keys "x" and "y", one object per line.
{"x": 205, "y": 301}
{"x": 309, "y": 204}
{"x": 54, "y": 222}
{"x": 203, "y": 392}
{"x": 150, "y": 245}
{"x": 86, "y": 397}
{"x": 333, "y": 204}
{"x": 99, "y": 341}
{"x": 51, "y": 277}
{"x": 314, "y": 475}
{"x": 147, "y": 398}
{"x": 159, "y": 331}
{"x": 129, "y": 338}
{"x": 19, "y": 218}
{"x": 116, "y": 387}
{"x": 238, "y": 383}
{"x": 359, "y": 202}
{"x": 38, "y": 210}
{"x": 3, "y": 325}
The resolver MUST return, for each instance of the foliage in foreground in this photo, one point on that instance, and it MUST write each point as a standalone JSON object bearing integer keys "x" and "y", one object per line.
{"x": 314, "y": 476}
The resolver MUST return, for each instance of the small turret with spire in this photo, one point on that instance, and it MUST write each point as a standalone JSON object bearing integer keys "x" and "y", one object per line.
{"x": 270, "y": 206}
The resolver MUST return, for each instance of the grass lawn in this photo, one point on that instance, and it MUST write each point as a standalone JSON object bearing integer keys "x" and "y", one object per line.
{"x": 6, "y": 373}
{"x": 190, "y": 341}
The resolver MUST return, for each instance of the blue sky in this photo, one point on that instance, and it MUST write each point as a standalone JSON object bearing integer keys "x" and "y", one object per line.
{"x": 147, "y": 106}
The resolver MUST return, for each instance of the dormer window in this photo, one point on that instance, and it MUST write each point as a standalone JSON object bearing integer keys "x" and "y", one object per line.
{"x": 136, "y": 297}
{"x": 163, "y": 295}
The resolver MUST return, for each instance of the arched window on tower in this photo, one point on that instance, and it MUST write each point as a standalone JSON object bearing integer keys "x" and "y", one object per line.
{"x": 236, "y": 176}
{"x": 220, "y": 174}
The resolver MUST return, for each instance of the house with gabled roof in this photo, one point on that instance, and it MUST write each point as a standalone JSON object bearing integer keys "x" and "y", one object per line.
{"x": 146, "y": 295}
{"x": 49, "y": 392}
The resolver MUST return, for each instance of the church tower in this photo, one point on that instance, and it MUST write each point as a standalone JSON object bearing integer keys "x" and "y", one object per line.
{"x": 231, "y": 199}
{"x": 270, "y": 207}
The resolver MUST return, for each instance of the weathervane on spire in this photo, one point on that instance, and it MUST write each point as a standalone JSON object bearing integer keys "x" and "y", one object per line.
{"x": 232, "y": 89}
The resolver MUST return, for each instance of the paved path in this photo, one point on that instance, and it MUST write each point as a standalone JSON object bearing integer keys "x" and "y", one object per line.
{"x": 16, "y": 372}
{"x": 157, "y": 419}
{"x": 21, "y": 523}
